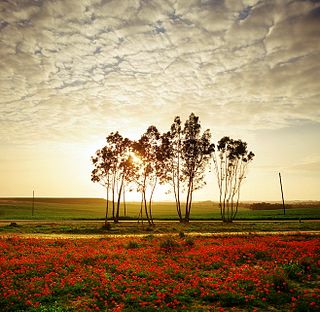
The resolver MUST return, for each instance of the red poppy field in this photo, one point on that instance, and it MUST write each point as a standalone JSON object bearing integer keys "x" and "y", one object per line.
{"x": 243, "y": 273}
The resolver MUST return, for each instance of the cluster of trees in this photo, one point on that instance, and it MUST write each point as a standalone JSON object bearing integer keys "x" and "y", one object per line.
{"x": 179, "y": 158}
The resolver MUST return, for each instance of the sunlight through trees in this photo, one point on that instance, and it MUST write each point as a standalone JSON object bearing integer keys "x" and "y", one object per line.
{"x": 178, "y": 158}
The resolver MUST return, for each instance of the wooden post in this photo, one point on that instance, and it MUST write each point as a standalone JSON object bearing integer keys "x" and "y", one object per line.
{"x": 284, "y": 208}
{"x": 32, "y": 202}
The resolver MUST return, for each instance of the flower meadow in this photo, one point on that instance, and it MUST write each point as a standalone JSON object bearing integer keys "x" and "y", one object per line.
{"x": 171, "y": 273}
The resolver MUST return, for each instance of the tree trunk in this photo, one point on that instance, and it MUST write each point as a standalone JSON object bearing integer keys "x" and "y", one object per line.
{"x": 113, "y": 196}
{"x": 107, "y": 208}
{"x": 150, "y": 201}
{"x": 187, "y": 212}
{"x": 141, "y": 210}
{"x": 124, "y": 203}
{"x": 116, "y": 220}
{"x": 177, "y": 197}
{"x": 178, "y": 181}
{"x": 190, "y": 200}
{"x": 146, "y": 206}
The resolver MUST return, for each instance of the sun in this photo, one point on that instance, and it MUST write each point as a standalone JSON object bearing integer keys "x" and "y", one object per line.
{"x": 135, "y": 158}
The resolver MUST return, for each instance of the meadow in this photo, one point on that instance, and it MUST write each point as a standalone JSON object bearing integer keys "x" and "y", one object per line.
{"x": 181, "y": 273}
{"x": 94, "y": 208}
{"x": 63, "y": 259}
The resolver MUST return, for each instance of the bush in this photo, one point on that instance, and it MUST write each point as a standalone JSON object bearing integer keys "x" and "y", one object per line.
{"x": 132, "y": 245}
{"x": 149, "y": 229}
{"x": 280, "y": 283}
{"x": 149, "y": 237}
{"x": 294, "y": 271}
{"x": 189, "y": 242}
{"x": 107, "y": 226}
{"x": 168, "y": 244}
{"x": 229, "y": 299}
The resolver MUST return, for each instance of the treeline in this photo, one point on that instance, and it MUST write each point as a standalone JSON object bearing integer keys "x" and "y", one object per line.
{"x": 179, "y": 158}
{"x": 278, "y": 206}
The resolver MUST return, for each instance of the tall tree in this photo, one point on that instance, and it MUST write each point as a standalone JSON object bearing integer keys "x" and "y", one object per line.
{"x": 196, "y": 154}
{"x": 113, "y": 169}
{"x": 230, "y": 165}
{"x": 186, "y": 157}
{"x": 171, "y": 153}
{"x": 148, "y": 150}
{"x": 102, "y": 173}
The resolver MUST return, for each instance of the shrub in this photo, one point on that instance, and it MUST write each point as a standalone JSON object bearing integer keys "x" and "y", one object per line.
{"x": 149, "y": 237}
{"x": 261, "y": 255}
{"x": 294, "y": 271}
{"x": 132, "y": 245}
{"x": 181, "y": 234}
{"x": 189, "y": 242}
{"x": 149, "y": 229}
{"x": 168, "y": 244}
{"x": 229, "y": 299}
{"x": 107, "y": 226}
{"x": 280, "y": 283}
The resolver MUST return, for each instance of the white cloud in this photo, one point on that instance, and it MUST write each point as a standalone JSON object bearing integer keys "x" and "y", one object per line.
{"x": 76, "y": 68}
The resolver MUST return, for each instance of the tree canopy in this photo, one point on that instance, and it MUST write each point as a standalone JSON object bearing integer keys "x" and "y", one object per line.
{"x": 179, "y": 158}
{"x": 230, "y": 166}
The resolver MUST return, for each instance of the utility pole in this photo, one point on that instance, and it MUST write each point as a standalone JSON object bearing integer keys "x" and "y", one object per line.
{"x": 32, "y": 202}
{"x": 284, "y": 208}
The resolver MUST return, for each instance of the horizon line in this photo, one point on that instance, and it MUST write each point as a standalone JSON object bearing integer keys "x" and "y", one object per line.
{"x": 168, "y": 201}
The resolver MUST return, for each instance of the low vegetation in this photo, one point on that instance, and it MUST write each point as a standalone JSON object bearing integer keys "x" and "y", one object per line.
{"x": 131, "y": 228}
{"x": 171, "y": 273}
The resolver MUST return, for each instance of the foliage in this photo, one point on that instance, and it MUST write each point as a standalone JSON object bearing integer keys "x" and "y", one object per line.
{"x": 196, "y": 153}
{"x": 230, "y": 164}
{"x": 113, "y": 168}
{"x": 172, "y": 149}
{"x": 187, "y": 154}
{"x": 179, "y": 157}
{"x": 168, "y": 244}
{"x": 132, "y": 244}
{"x": 148, "y": 151}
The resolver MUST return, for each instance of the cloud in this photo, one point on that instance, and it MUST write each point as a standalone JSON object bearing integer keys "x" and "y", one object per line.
{"x": 312, "y": 167}
{"x": 308, "y": 164}
{"x": 71, "y": 69}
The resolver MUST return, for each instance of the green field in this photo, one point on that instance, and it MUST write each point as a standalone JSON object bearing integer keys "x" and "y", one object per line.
{"x": 94, "y": 208}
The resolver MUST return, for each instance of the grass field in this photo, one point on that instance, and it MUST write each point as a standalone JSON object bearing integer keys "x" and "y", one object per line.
{"x": 94, "y": 208}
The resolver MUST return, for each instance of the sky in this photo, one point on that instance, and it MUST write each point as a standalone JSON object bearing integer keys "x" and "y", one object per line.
{"x": 72, "y": 71}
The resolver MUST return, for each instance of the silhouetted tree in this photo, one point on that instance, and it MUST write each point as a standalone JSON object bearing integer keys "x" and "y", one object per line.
{"x": 171, "y": 149}
{"x": 113, "y": 169}
{"x": 148, "y": 151}
{"x": 196, "y": 154}
{"x": 186, "y": 156}
{"x": 102, "y": 173}
{"x": 230, "y": 164}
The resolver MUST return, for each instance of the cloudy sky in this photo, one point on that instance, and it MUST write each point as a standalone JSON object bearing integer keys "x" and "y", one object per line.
{"x": 72, "y": 71}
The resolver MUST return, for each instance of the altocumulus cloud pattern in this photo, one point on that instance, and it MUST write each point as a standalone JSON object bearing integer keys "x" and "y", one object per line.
{"x": 77, "y": 65}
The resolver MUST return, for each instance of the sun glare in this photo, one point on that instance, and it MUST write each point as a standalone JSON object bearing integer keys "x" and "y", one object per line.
{"x": 135, "y": 158}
